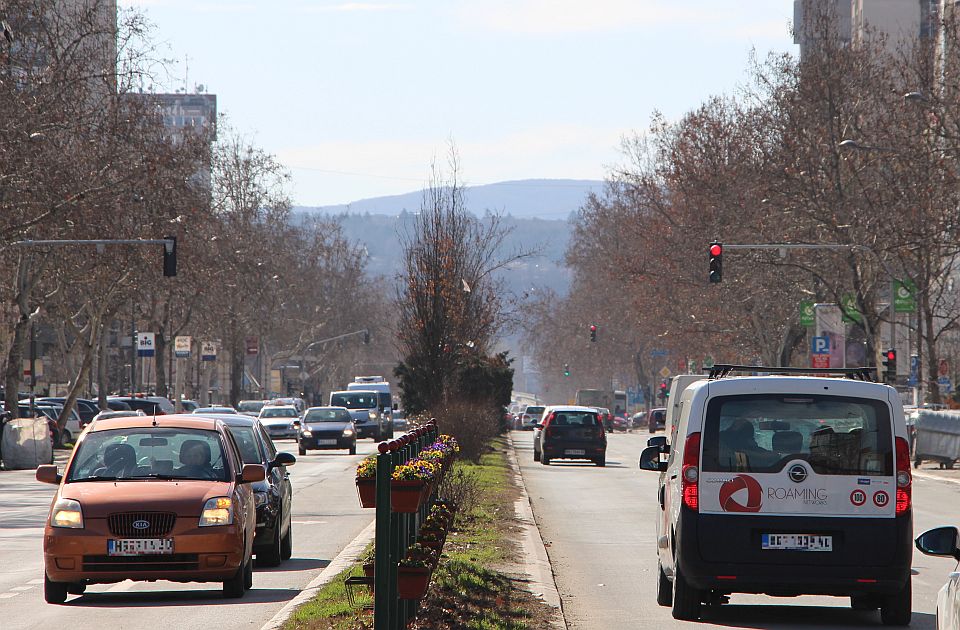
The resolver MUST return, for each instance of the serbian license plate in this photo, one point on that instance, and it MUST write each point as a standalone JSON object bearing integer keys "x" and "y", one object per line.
{"x": 140, "y": 547}
{"x": 797, "y": 542}
{"x": 326, "y": 442}
{"x": 575, "y": 451}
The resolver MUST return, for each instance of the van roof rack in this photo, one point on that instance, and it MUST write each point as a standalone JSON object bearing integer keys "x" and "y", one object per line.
{"x": 722, "y": 370}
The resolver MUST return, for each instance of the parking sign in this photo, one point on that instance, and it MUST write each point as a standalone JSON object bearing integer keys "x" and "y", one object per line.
{"x": 820, "y": 345}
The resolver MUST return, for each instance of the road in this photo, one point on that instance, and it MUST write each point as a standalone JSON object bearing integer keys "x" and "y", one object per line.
{"x": 599, "y": 528}
{"x": 326, "y": 517}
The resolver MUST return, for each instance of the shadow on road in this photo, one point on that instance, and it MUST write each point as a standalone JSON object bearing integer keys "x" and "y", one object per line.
{"x": 294, "y": 564}
{"x": 746, "y": 616}
{"x": 180, "y": 598}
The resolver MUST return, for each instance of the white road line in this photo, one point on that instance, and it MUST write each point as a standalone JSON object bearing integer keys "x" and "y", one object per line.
{"x": 924, "y": 475}
{"x": 21, "y": 588}
{"x": 40, "y": 581}
{"x": 8, "y": 595}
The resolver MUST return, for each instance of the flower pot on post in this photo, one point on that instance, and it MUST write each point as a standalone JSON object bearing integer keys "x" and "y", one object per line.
{"x": 407, "y": 496}
{"x": 367, "y": 491}
{"x": 412, "y": 582}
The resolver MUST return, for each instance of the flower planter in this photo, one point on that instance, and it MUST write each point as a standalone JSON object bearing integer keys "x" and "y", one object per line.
{"x": 367, "y": 491}
{"x": 412, "y": 582}
{"x": 407, "y": 496}
{"x": 436, "y": 545}
{"x": 368, "y": 569}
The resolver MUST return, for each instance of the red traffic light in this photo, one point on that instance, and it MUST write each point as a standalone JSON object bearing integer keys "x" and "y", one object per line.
{"x": 716, "y": 249}
{"x": 891, "y": 355}
{"x": 593, "y": 328}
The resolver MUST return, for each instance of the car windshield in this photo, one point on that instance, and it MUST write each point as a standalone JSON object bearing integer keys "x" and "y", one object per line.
{"x": 249, "y": 447}
{"x": 352, "y": 400}
{"x": 250, "y": 405}
{"x": 149, "y": 453}
{"x": 278, "y": 412}
{"x": 762, "y": 433}
{"x": 534, "y": 411}
{"x": 327, "y": 415}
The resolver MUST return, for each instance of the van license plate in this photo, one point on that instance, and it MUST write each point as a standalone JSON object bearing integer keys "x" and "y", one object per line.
{"x": 140, "y": 547}
{"x": 797, "y": 542}
{"x": 575, "y": 451}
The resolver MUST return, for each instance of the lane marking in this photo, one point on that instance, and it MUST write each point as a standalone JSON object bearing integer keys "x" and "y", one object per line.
{"x": 40, "y": 581}
{"x": 925, "y": 475}
{"x": 21, "y": 588}
{"x": 8, "y": 595}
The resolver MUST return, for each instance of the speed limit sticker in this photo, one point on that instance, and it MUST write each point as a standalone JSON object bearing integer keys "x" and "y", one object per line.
{"x": 858, "y": 497}
{"x": 881, "y": 498}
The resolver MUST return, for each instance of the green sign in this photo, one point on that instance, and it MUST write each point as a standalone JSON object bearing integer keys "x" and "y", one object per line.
{"x": 807, "y": 317}
{"x": 707, "y": 362}
{"x": 850, "y": 311}
{"x": 903, "y": 296}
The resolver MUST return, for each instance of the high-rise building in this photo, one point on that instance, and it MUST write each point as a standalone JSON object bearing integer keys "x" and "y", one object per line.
{"x": 899, "y": 22}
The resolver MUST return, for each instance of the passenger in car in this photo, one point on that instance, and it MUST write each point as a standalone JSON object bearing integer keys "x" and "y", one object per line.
{"x": 195, "y": 457}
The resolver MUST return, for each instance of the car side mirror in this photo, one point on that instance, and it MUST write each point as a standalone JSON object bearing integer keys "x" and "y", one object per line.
{"x": 296, "y": 424}
{"x": 657, "y": 440}
{"x": 650, "y": 459}
{"x": 251, "y": 473}
{"x": 283, "y": 459}
{"x": 48, "y": 473}
{"x": 941, "y": 541}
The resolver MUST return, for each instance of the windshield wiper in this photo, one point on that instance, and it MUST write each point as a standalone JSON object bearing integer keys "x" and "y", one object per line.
{"x": 164, "y": 476}
{"x": 97, "y": 478}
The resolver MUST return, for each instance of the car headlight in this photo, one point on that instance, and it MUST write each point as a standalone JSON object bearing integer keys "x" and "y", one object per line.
{"x": 67, "y": 513}
{"x": 347, "y": 432}
{"x": 217, "y": 511}
{"x": 373, "y": 415}
{"x": 306, "y": 433}
{"x": 260, "y": 498}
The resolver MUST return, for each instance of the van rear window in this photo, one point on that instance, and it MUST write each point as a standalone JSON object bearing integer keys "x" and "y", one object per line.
{"x": 762, "y": 433}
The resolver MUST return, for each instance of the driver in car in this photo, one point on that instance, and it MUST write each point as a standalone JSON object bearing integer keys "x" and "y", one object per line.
{"x": 195, "y": 457}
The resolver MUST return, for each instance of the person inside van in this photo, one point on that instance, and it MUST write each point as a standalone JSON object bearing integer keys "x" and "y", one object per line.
{"x": 737, "y": 444}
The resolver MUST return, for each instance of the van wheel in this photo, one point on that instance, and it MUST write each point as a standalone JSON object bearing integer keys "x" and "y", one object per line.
{"x": 686, "y": 599}
{"x": 601, "y": 461}
{"x": 896, "y": 609}
{"x": 664, "y": 588}
{"x": 544, "y": 459}
{"x": 536, "y": 456}
{"x": 54, "y": 592}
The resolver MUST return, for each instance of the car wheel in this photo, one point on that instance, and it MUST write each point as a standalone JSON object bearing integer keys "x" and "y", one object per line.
{"x": 286, "y": 544}
{"x": 353, "y": 448}
{"x": 234, "y": 587}
{"x": 544, "y": 459}
{"x": 536, "y": 456}
{"x": 54, "y": 592}
{"x": 864, "y": 602}
{"x": 270, "y": 555}
{"x": 601, "y": 461}
{"x": 300, "y": 449}
{"x": 248, "y": 574}
{"x": 664, "y": 588}
{"x": 895, "y": 610}
{"x": 76, "y": 588}
{"x": 686, "y": 599}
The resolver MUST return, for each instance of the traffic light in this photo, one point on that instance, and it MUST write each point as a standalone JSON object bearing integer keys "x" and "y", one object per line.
{"x": 566, "y": 370}
{"x": 663, "y": 393}
{"x": 716, "y": 261}
{"x": 593, "y": 332}
{"x": 890, "y": 366}
{"x": 170, "y": 257}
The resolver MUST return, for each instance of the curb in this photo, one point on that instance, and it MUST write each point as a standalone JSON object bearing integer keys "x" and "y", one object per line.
{"x": 536, "y": 562}
{"x": 349, "y": 555}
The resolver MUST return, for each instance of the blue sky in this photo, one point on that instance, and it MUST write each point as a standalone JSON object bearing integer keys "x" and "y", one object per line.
{"x": 357, "y": 98}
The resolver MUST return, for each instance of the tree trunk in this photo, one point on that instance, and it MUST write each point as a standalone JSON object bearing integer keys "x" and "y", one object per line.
{"x": 933, "y": 359}
{"x": 14, "y": 371}
{"x": 236, "y": 369}
{"x": 160, "y": 352}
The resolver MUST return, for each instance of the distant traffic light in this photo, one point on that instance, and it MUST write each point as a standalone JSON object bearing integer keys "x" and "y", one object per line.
{"x": 366, "y": 336}
{"x": 663, "y": 393}
{"x": 716, "y": 261}
{"x": 890, "y": 366}
{"x": 593, "y": 332}
{"x": 566, "y": 370}
{"x": 170, "y": 257}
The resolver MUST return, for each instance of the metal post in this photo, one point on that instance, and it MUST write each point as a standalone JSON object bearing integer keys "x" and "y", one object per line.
{"x": 382, "y": 567}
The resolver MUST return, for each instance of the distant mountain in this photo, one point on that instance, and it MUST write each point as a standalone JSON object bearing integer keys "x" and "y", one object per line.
{"x": 527, "y": 198}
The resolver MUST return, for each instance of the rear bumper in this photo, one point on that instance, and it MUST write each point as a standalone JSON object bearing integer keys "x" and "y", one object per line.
{"x": 850, "y": 569}
{"x": 561, "y": 450}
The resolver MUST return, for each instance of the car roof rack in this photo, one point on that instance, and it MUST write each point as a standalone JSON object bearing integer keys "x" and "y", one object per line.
{"x": 722, "y": 370}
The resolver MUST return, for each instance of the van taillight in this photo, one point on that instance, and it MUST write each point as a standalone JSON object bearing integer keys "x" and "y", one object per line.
{"x": 904, "y": 480}
{"x": 690, "y": 472}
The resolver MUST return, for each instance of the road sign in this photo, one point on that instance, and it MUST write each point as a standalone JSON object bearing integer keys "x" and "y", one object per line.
{"x": 851, "y": 312}
{"x": 820, "y": 345}
{"x": 946, "y": 386}
{"x": 820, "y": 360}
{"x": 208, "y": 351}
{"x": 145, "y": 344}
{"x": 658, "y": 353}
{"x": 807, "y": 314}
{"x": 665, "y": 372}
{"x": 707, "y": 362}
{"x": 181, "y": 346}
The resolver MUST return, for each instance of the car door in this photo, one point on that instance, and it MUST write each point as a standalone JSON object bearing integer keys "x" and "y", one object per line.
{"x": 279, "y": 478}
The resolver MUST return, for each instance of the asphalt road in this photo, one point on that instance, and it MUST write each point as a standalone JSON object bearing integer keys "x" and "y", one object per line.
{"x": 326, "y": 517}
{"x": 599, "y": 528}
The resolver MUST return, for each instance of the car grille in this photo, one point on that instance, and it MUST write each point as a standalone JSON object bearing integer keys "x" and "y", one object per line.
{"x": 159, "y": 524}
{"x": 167, "y": 562}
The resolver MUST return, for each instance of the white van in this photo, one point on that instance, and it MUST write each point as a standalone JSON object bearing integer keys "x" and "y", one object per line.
{"x": 375, "y": 384}
{"x": 785, "y": 485}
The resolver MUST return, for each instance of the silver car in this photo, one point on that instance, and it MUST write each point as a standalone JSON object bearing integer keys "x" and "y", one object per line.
{"x": 942, "y": 541}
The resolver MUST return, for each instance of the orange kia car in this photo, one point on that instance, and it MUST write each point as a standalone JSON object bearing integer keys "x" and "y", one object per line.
{"x": 151, "y": 498}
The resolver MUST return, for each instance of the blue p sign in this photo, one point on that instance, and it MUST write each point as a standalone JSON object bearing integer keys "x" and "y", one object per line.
{"x": 820, "y": 345}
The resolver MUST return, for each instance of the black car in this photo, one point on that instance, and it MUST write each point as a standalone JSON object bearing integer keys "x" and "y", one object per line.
{"x": 148, "y": 407}
{"x": 572, "y": 433}
{"x": 86, "y": 408}
{"x": 273, "y": 542}
{"x": 327, "y": 428}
